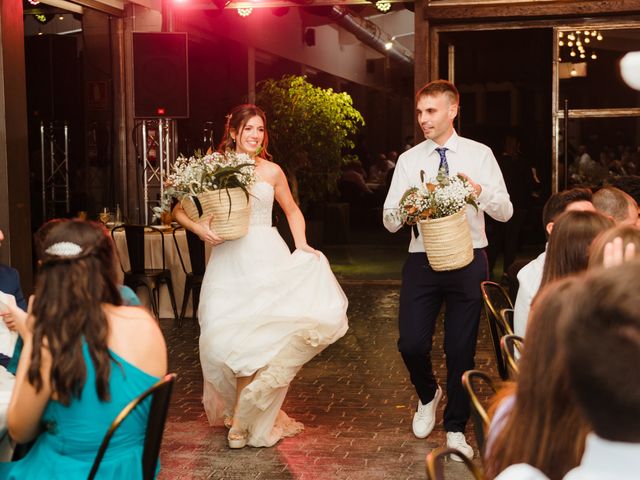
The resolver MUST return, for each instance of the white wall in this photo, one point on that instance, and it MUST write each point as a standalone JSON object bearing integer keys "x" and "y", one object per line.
{"x": 335, "y": 52}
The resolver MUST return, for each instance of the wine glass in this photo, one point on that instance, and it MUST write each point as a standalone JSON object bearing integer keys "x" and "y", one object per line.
{"x": 105, "y": 216}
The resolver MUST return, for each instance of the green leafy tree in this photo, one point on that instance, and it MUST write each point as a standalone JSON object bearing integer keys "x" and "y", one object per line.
{"x": 310, "y": 130}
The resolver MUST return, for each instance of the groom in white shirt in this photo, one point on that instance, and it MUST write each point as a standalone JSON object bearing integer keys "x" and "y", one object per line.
{"x": 423, "y": 289}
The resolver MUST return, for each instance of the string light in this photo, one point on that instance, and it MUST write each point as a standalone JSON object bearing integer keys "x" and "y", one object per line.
{"x": 574, "y": 44}
{"x": 383, "y": 5}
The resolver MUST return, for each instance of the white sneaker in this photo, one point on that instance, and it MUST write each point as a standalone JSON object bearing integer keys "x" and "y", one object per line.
{"x": 425, "y": 418}
{"x": 456, "y": 440}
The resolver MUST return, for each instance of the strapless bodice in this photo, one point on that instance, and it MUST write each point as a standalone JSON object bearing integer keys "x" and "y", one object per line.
{"x": 261, "y": 199}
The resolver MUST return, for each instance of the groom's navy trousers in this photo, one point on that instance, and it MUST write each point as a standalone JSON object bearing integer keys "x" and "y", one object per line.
{"x": 422, "y": 294}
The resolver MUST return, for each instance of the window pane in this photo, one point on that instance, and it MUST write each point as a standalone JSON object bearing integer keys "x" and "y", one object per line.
{"x": 600, "y": 149}
{"x": 595, "y": 82}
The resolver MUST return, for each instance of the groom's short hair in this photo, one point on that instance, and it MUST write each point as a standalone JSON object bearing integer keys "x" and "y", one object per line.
{"x": 440, "y": 87}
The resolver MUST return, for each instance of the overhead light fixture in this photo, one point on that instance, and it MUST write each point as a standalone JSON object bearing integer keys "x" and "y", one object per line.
{"x": 388, "y": 45}
{"x": 580, "y": 40}
{"x": 383, "y": 5}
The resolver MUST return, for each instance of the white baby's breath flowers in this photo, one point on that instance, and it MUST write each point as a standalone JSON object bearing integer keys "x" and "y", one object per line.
{"x": 436, "y": 198}
{"x": 199, "y": 174}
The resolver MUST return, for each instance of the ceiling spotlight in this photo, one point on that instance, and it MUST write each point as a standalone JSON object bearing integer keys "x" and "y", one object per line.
{"x": 34, "y": 2}
{"x": 388, "y": 45}
{"x": 383, "y": 5}
{"x": 245, "y": 12}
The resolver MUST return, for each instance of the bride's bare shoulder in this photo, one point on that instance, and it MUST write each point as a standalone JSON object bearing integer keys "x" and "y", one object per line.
{"x": 270, "y": 170}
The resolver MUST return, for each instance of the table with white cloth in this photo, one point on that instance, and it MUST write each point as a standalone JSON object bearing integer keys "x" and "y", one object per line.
{"x": 153, "y": 259}
{"x": 7, "y": 382}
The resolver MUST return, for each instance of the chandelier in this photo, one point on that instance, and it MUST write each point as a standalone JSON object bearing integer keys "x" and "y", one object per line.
{"x": 578, "y": 45}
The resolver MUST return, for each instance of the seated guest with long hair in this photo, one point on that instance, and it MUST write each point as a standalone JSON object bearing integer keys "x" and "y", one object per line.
{"x": 536, "y": 420}
{"x": 599, "y": 348}
{"x": 568, "y": 250}
{"x": 85, "y": 356}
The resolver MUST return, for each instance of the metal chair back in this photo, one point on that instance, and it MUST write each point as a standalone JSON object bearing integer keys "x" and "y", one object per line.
{"x": 471, "y": 380}
{"x": 495, "y": 299}
{"x": 161, "y": 395}
{"x": 508, "y": 345}
{"x": 435, "y": 470}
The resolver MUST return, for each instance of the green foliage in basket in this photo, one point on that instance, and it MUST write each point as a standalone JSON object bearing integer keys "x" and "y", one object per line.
{"x": 205, "y": 173}
{"x": 436, "y": 198}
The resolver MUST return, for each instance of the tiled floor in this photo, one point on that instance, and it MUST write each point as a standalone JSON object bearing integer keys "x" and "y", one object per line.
{"x": 355, "y": 400}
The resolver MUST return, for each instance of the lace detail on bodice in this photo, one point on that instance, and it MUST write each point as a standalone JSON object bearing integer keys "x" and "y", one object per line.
{"x": 262, "y": 195}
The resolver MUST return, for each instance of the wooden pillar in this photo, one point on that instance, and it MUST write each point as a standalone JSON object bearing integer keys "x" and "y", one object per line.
{"x": 15, "y": 204}
{"x": 422, "y": 56}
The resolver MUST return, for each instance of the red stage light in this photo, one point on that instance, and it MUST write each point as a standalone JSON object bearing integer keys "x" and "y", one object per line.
{"x": 160, "y": 111}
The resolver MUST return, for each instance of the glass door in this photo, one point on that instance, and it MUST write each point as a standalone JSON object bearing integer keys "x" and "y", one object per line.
{"x": 596, "y": 116}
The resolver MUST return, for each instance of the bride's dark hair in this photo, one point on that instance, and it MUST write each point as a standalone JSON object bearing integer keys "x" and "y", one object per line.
{"x": 236, "y": 121}
{"x": 76, "y": 277}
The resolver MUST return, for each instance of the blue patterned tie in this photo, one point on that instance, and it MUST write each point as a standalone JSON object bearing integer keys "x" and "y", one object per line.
{"x": 443, "y": 160}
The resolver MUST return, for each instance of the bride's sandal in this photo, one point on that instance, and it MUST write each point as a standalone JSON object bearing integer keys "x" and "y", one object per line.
{"x": 237, "y": 438}
{"x": 228, "y": 421}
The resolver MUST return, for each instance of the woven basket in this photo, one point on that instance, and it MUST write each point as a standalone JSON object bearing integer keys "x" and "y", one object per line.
{"x": 447, "y": 241}
{"x": 230, "y": 209}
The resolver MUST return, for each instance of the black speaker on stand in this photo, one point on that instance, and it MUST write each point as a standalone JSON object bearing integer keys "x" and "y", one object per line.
{"x": 160, "y": 94}
{"x": 160, "y": 75}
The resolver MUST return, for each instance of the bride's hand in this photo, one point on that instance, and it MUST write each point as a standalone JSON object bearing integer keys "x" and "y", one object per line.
{"x": 206, "y": 234}
{"x": 307, "y": 248}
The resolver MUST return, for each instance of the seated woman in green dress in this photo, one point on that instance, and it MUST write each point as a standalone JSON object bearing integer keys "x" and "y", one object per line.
{"x": 85, "y": 357}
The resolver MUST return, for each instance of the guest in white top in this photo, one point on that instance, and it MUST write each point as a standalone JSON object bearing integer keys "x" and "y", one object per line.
{"x": 530, "y": 276}
{"x": 600, "y": 339}
{"x": 423, "y": 289}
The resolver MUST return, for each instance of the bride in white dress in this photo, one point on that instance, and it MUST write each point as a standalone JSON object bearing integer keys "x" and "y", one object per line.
{"x": 264, "y": 311}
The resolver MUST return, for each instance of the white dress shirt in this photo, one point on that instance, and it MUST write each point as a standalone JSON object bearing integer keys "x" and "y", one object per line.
{"x": 463, "y": 156}
{"x": 607, "y": 460}
{"x": 529, "y": 278}
{"x": 602, "y": 460}
{"x": 521, "y": 471}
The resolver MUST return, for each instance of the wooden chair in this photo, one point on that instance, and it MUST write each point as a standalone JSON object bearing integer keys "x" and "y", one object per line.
{"x": 193, "y": 279}
{"x": 470, "y": 381}
{"x": 496, "y": 298}
{"x": 139, "y": 275}
{"x": 160, "y": 395}
{"x": 508, "y": 345}
{"x": 435, "y": 470}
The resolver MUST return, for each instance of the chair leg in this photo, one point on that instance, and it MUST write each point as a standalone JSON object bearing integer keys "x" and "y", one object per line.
{"x": 196, "y": 301}
{"x": 155, "y": 304}
{"x": 185, "y": 300}
{"x": 172, "y": 297}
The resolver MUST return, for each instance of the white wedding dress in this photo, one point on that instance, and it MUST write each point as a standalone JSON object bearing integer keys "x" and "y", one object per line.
{"x": 267, "y": 311}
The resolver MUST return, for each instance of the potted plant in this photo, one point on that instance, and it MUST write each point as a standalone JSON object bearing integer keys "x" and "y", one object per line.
{"x": 309, "y": 130}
